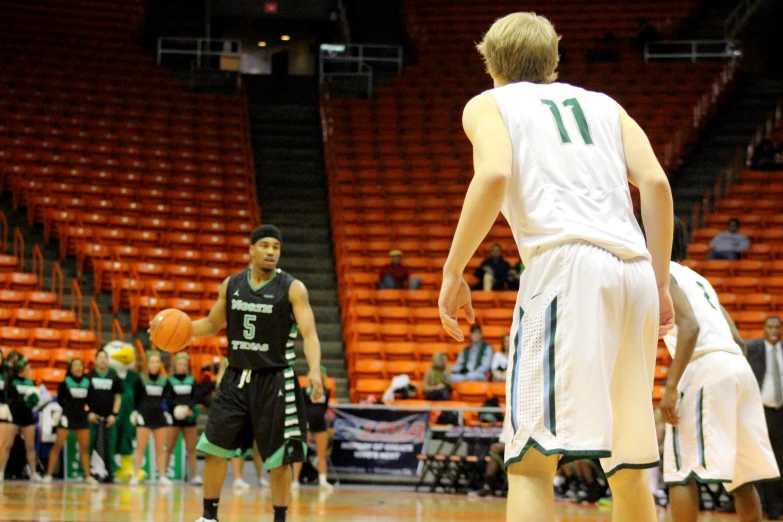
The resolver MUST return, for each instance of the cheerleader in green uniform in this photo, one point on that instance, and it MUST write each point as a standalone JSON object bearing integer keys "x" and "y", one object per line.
{"x": 72, "y": 396}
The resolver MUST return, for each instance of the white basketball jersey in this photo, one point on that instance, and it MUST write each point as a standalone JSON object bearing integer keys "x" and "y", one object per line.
{"x": 714, "y": 330}
{"x": 569, "y": 179}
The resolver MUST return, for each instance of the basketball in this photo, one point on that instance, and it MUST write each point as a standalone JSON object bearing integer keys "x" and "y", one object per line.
{"x": 171, "y": 330}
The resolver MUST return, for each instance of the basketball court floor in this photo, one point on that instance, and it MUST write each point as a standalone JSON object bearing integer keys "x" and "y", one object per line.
{"x": 57, "y": 502}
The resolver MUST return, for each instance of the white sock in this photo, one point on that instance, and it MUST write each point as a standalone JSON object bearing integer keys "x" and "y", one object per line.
{"x": 655, "y": 477}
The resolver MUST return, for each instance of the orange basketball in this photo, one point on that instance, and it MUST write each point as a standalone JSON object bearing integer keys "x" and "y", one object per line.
{"x": 171, "y": 330}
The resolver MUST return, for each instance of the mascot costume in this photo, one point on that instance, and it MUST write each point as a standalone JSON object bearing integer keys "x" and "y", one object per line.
{"x": 122, "y": 358}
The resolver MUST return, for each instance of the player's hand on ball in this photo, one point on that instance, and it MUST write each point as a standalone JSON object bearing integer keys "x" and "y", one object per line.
{"x": 668, "y": 407}
{"x": 454, "y": 294}
{"x": 666, "y": 321}
{"x": 315, "y": 385}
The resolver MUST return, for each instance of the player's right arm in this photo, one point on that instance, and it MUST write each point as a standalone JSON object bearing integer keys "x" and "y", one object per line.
{"x": 216, "y": 319}
{"x": 645, "y": 173}
{"x": 734, "y": 332}
{"x": 687, "y": 335}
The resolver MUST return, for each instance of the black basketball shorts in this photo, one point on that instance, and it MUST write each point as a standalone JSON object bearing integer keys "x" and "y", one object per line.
{"x": 265, "y": 407}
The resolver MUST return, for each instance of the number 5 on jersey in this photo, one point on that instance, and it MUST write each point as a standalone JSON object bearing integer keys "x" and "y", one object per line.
{"x": 579, "y": 116}
{"x": 250, "y": 328}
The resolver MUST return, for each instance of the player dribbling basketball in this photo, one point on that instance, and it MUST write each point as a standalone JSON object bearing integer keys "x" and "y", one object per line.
{"x": 259, "y": 398}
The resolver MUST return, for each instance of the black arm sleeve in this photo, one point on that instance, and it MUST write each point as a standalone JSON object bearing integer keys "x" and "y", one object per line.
{"x": 139, "y": 391}
{"x": 62, "y": 395}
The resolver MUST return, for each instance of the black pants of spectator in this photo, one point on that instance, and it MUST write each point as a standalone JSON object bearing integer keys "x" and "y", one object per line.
{"x": 772, "y": 491}
{"x": 723, "y": 254}
{"x": 438, "y": 395}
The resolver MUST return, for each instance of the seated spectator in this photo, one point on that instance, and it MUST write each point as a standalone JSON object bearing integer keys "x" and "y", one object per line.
{"x": 730, "y": 244}
{"x": 437, "y": 381}
{"x": 475, "y": 361}
{"x": 647, "y": 33}
{"x": 396, "y": 275}
{"x": 500, "y": 361}
{"x": 514, "y": 275}
{"x": 764, "y": 156}
{"x": 607, "y": 49}
{"x": 493, "y": 272}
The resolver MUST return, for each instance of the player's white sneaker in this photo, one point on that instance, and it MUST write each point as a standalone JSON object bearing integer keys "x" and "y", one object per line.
{"x": 202, "y": 519}
{"x": 239, "y": 483}
{"x": 164, "y": 481}
{"x": 263, "y": 482}
{"x": 325, "y": 486}
{"x": 197, "y": 480}
{"x": 134, "y": 481}
{"x": 92, "y": 481}
{"x": 36, "y": 478}
{"x": 47, "y": 479}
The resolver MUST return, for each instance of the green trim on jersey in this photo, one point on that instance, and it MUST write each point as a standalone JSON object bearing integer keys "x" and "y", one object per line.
{"x": 250, "y": 281}
{"x": 207, "y": 447}
{"x": 276, "y": 460}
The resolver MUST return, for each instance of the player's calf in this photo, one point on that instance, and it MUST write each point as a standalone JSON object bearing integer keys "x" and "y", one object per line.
{"x": 632, "y": 500}
{"x": 748, "y": 503}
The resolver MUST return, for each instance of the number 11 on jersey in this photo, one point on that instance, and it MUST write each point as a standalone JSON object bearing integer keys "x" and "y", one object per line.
{"x": 579, "y": 116}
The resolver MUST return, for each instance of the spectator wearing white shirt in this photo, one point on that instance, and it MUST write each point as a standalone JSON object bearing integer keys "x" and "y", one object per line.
{"x": 475, "y": 361}
{"x": 729, "y": 244}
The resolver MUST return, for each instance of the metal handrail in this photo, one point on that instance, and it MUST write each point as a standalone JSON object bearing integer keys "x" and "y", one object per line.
{"x": 725, "y": 49}
{"x": 359, "y": 57}
{"x": 739, "y": 15}
{"x": 203, "y": 47}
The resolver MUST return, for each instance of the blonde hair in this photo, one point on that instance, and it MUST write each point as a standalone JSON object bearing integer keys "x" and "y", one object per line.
{"x": 521, "y": 47}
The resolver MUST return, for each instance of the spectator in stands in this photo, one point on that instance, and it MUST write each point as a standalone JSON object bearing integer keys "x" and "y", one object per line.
{"x": 475, "y": 361}
{"x": 437, "y": 381}
{"x": 493, "y": 272}
{"x": 492, "y": 477}
{"x": 765, "y": 357}
{"x": 730, "y": 244}
{"x": 514, "y": 274}
{"x": 647, "y": 33}
{"x": 764, "y": 157}
{"x": 607, "y": 49}
{"x": 500, "y": 361}
{"x": 396, "y": 275}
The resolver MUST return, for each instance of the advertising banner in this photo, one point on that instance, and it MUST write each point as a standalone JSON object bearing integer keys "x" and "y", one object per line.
{"x": 378, "y": 441}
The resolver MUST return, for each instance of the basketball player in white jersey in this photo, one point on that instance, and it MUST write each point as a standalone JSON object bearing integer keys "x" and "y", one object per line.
{"x": 593, "y": 300}
{"x": 716, "y": 430}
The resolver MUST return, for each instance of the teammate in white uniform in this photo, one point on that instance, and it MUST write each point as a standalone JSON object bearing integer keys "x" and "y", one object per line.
{"x": 557, "y": 159}
{"x": 716, "y": 430}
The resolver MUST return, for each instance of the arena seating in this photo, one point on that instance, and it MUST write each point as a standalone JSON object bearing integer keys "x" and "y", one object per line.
{"x": 399, "y": 164}
{"x": 752, "y": 287}
{"x": 32, "y": 320}
{"x": 149, "y": 186}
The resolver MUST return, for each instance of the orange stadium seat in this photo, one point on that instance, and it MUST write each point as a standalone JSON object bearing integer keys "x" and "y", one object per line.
{"x": 472, "y": 392}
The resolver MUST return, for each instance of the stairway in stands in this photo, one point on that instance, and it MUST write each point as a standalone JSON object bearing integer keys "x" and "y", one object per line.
{"x": 34, "y": 236}
{"x": 286, "y": 141}
{"x": 754, "y": 98}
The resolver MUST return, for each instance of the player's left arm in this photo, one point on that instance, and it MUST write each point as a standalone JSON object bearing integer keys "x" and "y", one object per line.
{"x": 492, "y": 163}
{"x": 305, "y": 320}
{"x": 734, "y": 332}
{"x": 687, "y": 334}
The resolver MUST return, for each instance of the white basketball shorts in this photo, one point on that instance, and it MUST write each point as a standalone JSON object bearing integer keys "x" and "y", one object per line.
{"x": 584, "y": 341}
{"x": 722, "y": 434}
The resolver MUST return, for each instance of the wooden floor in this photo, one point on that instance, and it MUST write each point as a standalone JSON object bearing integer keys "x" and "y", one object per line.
{"x": 57, "y": 502}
